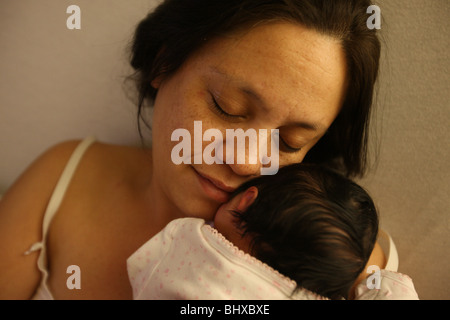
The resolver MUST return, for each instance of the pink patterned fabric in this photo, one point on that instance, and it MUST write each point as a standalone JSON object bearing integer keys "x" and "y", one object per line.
{"x": 393, "y": 286}
{"x": 191, "y": 260}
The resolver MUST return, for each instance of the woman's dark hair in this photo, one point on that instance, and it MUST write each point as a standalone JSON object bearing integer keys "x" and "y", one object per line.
{"x": 313, "y": 225}
{"x": 175, "y": 29}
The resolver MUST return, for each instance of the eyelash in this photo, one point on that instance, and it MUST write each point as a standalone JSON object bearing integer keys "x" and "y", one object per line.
{"x": 218, "y": 108}
{"x": 288, "y": 148}
{"x": 221, "y": 112}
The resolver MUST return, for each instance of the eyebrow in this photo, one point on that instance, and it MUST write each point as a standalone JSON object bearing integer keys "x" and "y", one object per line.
{"x": 249, "y": 91}
{"x": 242, "y": 86}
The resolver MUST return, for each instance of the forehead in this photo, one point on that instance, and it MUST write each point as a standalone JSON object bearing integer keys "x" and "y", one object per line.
{"x": 287, "y": 66}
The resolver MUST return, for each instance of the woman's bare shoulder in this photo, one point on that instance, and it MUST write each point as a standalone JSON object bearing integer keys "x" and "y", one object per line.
{"x": 29, "y": 194}
{"x": 21, "y": 213}
{"x": 102, "y": 164}
{"x": 37, "y": 182}
{"x": 117, "y": 162}
{"x": 23, "y": 206}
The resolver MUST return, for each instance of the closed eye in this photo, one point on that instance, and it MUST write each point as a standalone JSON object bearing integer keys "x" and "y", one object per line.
{"x": 287, "y": 148}
{"x": 220, "y": 110}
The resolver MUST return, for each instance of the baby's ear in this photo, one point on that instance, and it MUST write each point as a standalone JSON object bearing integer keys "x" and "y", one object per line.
{"x": 247, "y": 198}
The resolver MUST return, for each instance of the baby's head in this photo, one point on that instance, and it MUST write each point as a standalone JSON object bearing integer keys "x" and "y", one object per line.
{"x": 309, "y": 223}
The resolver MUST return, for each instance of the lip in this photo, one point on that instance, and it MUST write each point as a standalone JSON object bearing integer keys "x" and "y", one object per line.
{"x": 215, "y": 189}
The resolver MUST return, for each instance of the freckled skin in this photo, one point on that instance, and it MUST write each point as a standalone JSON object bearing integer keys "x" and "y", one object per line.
{"x": 298, "y": 75}
{"x": 122, "y": 196}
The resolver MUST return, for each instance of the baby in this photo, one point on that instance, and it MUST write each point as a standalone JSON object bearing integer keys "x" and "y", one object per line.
{"x": 305, "y": 233}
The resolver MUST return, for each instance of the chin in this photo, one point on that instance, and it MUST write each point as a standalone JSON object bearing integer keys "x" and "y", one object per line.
{"x": 203, "y": 210}
{"x": 192, "y": 204}
{"x": 185, "y": 193}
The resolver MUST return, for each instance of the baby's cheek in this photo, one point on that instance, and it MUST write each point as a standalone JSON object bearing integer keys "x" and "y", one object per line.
{"x": 220, "y": 219}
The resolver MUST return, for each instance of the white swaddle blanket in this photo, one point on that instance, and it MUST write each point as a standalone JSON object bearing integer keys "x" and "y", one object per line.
{"x": 191, "y": 260}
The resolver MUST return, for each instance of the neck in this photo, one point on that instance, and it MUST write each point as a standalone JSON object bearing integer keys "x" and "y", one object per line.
{"x": 159, "y": 206}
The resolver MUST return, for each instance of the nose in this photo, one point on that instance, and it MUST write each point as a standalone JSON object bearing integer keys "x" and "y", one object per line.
{"x": 248, "y": 157}
{"x": 246, "y": 170}
{"x": 242, "y": 158}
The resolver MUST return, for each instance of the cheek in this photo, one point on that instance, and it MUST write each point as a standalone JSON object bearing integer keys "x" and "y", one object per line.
{"x": 171, "y": 112}
{"x": 177, "y": 110}
{"x": 288, "y": 159}
{"x": 219, "y": 218}
{"x": 167, "y": 116}
{"x": 224, "y": 223}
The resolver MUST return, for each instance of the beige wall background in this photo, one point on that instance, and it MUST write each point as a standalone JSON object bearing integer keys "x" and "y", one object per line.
{"x": 58, "y": 84}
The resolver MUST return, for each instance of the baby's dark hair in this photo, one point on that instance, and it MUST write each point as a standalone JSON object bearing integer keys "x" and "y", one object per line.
{"x": 313, "y": 225}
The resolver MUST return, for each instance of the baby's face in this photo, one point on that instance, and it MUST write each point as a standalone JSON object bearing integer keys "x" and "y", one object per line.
{"x": 225, "y": 221}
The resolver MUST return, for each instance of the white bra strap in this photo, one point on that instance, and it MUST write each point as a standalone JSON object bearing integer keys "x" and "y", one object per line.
{"x": 52, "y": 208}
{"x": 60, "y": 190}
{"x": 63, "y": 183}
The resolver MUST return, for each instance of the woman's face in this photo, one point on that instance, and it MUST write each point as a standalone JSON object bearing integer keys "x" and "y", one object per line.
{"x": 275, "y": 76}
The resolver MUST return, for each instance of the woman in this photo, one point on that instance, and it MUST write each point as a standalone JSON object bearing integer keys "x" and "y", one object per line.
{"x": 306, "y": 68}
